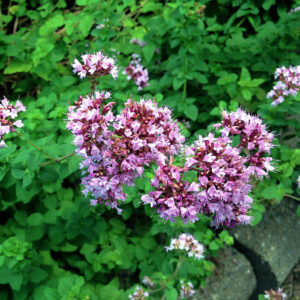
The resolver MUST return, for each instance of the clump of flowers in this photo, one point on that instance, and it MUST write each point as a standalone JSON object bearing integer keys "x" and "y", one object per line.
{"x": 275, "y": 295}
{"x": 8, "y": 114}
{"x": 186, "y": 289}
{"x": 136, "y": 72}
{"x": 147, "y": 281}
{"x": 139, "y": 294}
{"x": 188, "y": 243}
{"x": 288, "y": 83}
{"x": 138, "y": 42}
{"x": 95, "y": 65}
{"x": 255, "y": 140}
{"x": 89, "y": 121}
{"x": 223, "y": 179}
{"x": 173, "y": 197}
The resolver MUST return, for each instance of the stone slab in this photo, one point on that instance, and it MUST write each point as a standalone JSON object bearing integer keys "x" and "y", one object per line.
{"x": 232, "y": 279}
{"x": 275, "y": 240}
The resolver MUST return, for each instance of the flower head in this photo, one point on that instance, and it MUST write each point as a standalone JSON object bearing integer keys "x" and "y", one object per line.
{"x": 135, "y": 71}
{"x": 95, "y": 65}
{"x": 139, "y": 294}
{"x": 255, "y": 140}
{"x": 187, "y": 243}
{"x": 8, "y": 114}
{"x": 186, "y": 289}
{"x": 275, "y": 295}
{"x": 288, "y": 83}
{"x": 173, "y": 197}
{"x": 223, "y": 179}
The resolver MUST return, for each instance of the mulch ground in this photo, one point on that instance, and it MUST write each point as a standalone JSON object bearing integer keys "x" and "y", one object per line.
{"x": 291, "y": 286}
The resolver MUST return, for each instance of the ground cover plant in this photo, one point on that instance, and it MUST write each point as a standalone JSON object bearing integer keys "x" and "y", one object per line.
{"x": 212, "y": 63}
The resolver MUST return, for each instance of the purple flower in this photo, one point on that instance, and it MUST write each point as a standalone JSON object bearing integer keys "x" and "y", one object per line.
{"x": 9, "y": 112}
{"x": 172, "y": 197}
{"x": 139, "y": 294}
{"x": 223, "y": 180}
{"x": 95, "y": 65}
{"x": 135, "y": 71}
{"x": 255, "y": 140}
{"x": 187, "y": 243}
{"x": 186, "y": 289}
{"x": 288, "y": 83}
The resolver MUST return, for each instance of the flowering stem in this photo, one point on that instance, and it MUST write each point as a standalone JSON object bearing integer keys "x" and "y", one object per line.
{"x": 57, "y": 159}
{"x": 178, "y": 267}
{"x": 36, "y": 147}
{"x": 292, "y": 197}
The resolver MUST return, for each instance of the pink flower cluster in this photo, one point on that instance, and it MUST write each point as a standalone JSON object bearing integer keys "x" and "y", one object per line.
{"x": 172, "y": 197}
{"x": 288, "y": 83}
{"x": 138, "y": 42}
{"x": 135, "y": 71}
{"x": 115, "y": 149}
{"x": 9, "y": 112}
{"x": 188, "y": 243}
{"x": 186, "y": 289}
{"x": 148, "y": 281}
{"x": 255, "y": 140}
{"x": 95, "y": 65}
{"x": 275, "y": 295}
{"x": 223, "y": 179}
{"x": 139, "y": 294}
{"x": 222, "y": 172}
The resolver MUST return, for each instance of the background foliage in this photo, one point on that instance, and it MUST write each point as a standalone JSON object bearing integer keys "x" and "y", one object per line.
{"x": 202, "y": 57}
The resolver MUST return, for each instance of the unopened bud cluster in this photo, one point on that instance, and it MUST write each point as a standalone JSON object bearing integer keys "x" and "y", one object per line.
{"x": 288, "y": 83}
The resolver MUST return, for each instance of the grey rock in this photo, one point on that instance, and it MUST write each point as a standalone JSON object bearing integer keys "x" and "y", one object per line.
{"x": 275, "y": 241}
{"x": 233, "y": 278}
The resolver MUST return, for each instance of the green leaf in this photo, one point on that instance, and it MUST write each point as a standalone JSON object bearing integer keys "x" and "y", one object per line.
{"x": 227, "y": 79}
{"x": 171, "y": 294}
{"x": 269, "y": 192}
{"x": 36, "y": 274}
{"x": 214, "y": 245}
{"x": 247, "y": 94}
{"x": 257, "y": 217}
{"x": 191, "y": 112}
{"x": 27, "y": 179}
{"x": 48, "y": 174}
{"x": 190, "y": 176}
{"x": 36, "y": 219}
{"x": 18, "y": 171}
{"x": 16, "y": 66}
{"x": 51, "y": 25}
{"x": 245, "y": 75}
{"x": 86, "y": 24}
{"x": 149, "y": 50}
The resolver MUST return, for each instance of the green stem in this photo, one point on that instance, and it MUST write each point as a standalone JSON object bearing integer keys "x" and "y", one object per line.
{"x": 179, "y": 264}
{"x": 184, "y": 92}
{"x": 292, "y": 197}
{"x": 57, "y": 160}
{"x": 36, "y": 147}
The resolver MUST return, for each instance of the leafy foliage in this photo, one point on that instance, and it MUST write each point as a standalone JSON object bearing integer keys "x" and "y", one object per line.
{"x": 202, "y": 58}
